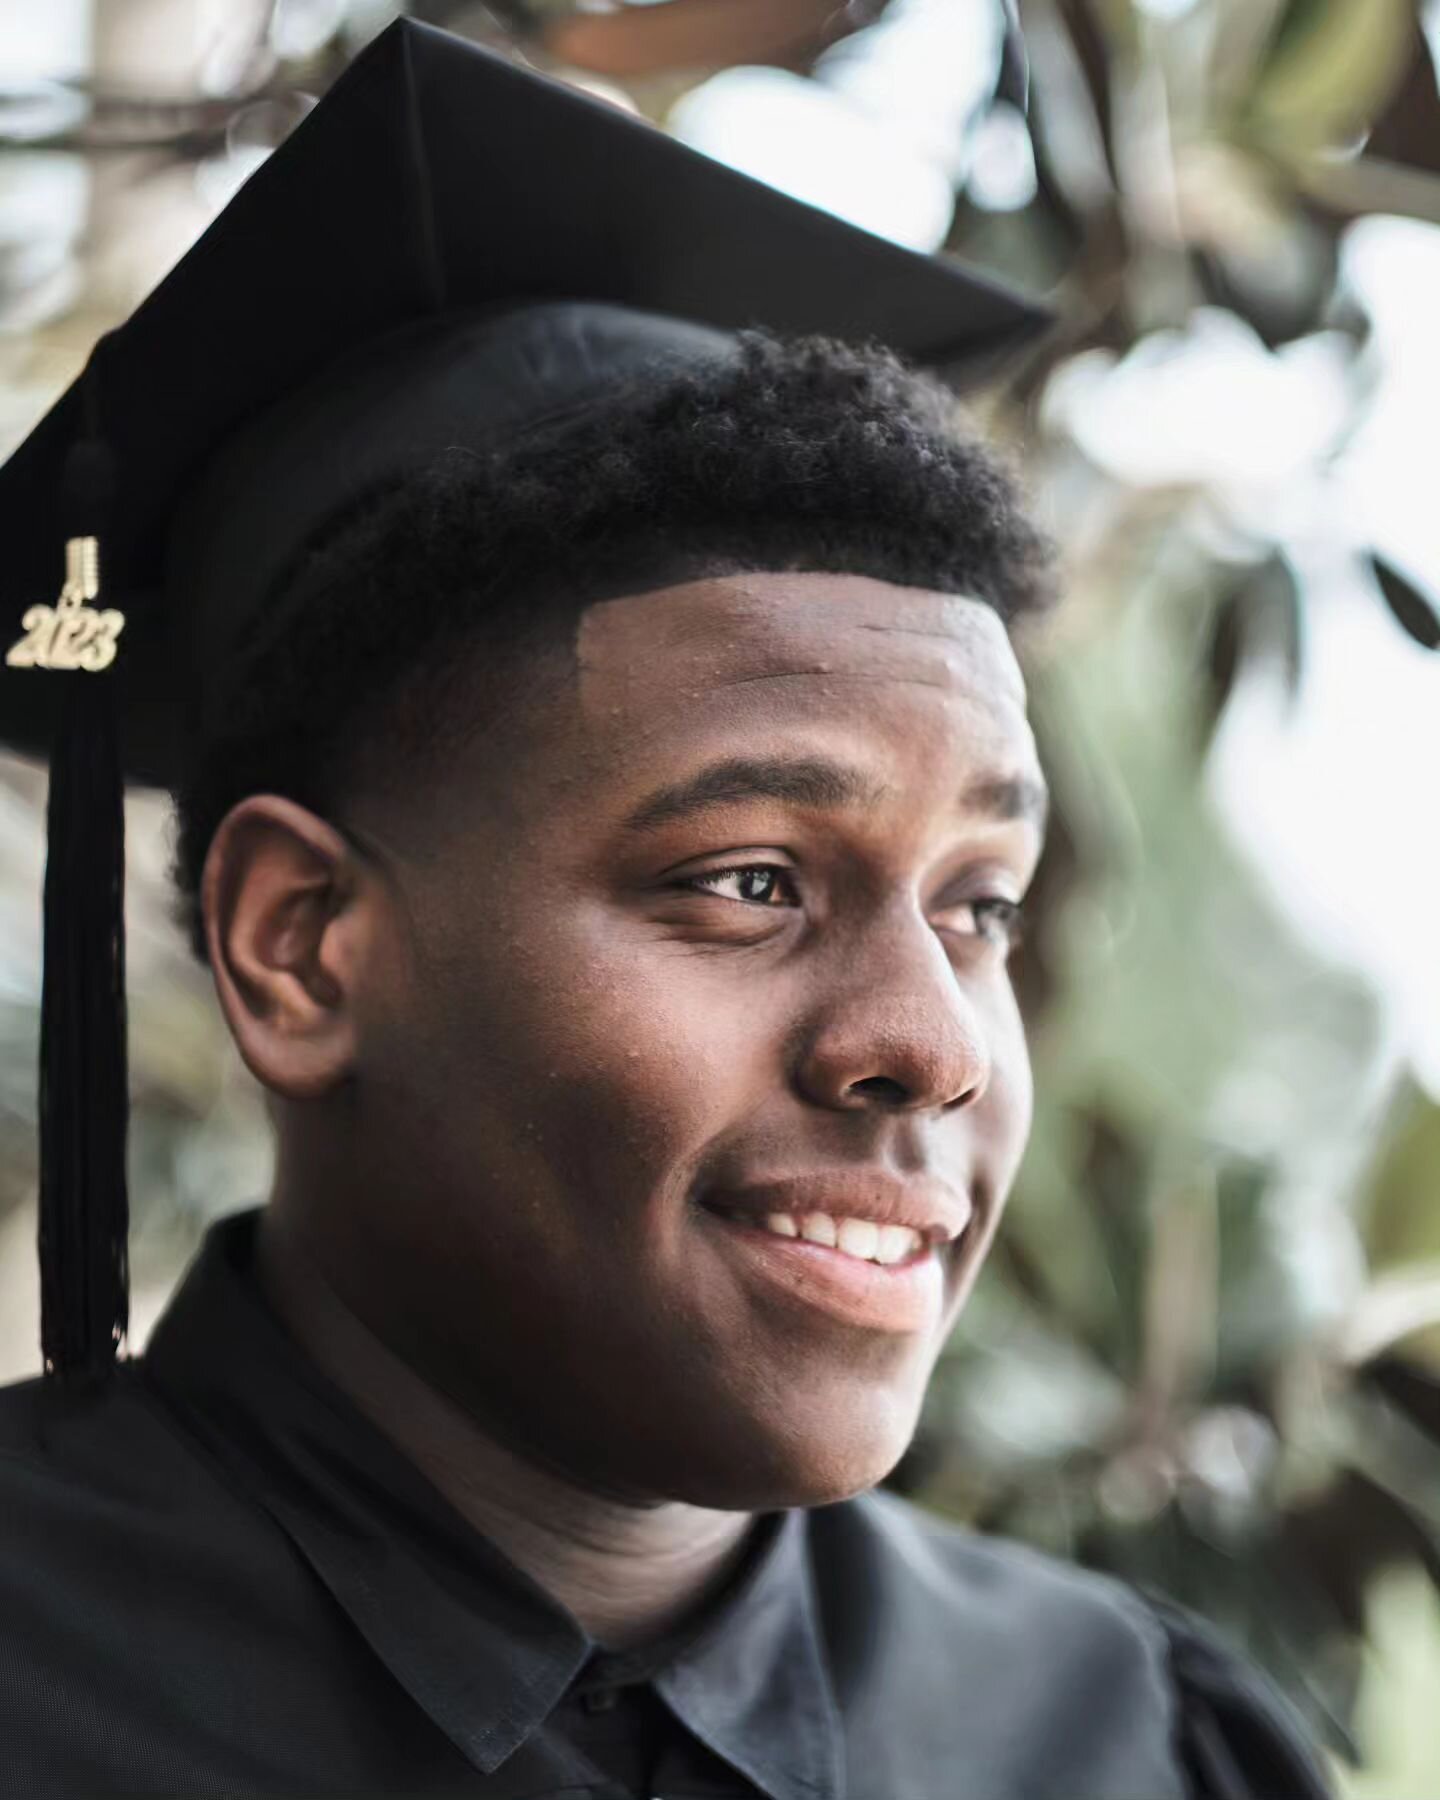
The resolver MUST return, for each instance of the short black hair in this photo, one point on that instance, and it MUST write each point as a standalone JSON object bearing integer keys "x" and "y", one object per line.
{"x": 433, "y": 606}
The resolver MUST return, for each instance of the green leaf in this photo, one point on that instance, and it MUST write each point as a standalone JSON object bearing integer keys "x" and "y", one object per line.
{"x": 1396, "y": 1705}
{"x": 1399, "y": 1220}
{"x": 1330, "y": 68}
{"x": 1412, "y": 609}
{"x": 1367, "y": 184}
{"x": 1262, "y": 613}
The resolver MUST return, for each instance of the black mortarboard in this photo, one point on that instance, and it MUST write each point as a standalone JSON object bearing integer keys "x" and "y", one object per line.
{"x": 448, "y": 249}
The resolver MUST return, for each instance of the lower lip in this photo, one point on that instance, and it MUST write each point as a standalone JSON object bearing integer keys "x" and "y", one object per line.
{"x": 896, "y": 1297}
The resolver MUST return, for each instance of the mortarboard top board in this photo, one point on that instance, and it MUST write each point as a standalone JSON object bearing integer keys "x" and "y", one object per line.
{"x": 447, "y": 249}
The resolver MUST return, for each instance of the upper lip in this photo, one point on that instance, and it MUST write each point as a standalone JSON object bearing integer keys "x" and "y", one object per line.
{"x": 927, "y": 1206}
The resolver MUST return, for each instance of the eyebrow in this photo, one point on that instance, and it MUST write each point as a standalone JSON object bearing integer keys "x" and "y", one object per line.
{"x": 819, "y": 784}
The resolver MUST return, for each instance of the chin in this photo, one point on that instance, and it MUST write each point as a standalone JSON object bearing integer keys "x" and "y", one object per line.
{"x": 798, "y": 1465}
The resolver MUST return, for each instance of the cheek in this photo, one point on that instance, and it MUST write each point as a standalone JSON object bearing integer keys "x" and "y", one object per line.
{"x": 593, "y": 1048}
{"x": 1009, "y": 1103}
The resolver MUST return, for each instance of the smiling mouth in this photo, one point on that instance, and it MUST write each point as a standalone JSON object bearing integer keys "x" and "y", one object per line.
{"x": 889, "y": 1246}
{"x": 808, "y": 1275}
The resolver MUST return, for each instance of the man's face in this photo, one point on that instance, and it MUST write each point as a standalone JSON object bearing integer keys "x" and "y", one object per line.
{"x": 609, "y": 1016}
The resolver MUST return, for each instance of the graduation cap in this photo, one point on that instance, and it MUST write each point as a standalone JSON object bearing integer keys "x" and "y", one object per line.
{"x": 448, "y": 249}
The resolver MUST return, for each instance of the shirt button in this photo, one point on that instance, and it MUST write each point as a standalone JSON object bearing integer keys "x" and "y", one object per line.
{"x": 599, "y": 1699}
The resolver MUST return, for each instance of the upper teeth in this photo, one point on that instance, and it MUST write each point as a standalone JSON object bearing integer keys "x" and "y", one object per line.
{"x": 856, "y": 1237}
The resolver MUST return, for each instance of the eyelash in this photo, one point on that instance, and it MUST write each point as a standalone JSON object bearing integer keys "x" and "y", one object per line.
{"x": 1010, "y": 912}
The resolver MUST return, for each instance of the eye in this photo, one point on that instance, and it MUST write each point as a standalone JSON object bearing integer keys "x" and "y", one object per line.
{"x": 746, "y": 875}
{"x": 1009, "y": 915}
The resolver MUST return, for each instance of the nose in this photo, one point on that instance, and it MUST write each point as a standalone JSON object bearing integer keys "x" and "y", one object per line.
{"x": 897, "y": 1027}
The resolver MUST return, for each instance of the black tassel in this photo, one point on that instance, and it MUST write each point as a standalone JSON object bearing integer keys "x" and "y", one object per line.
{"x": 84, "y": 1084}
{"x": 84, "y": 1210}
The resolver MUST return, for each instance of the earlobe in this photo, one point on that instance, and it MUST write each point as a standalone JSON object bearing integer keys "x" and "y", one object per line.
{"x": 280, "y": 897}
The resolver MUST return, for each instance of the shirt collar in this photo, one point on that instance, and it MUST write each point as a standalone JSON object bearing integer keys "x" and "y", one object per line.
{"x": 478, "y": 1644}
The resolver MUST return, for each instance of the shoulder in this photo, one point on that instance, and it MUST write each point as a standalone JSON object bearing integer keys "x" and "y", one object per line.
{"x": 990, "y": 1597}
{"x": 96, "y": 1487}
{"x": 1237, "y": 1732}
{"x": 1075, "y": 1677}
{"x": 132, "y": 1580}
{"x": 1007, "y": 1592}
{"x": 56, "y": 1441}
{"x": 76, "y": 1451}
{"x": 108, "y": 1512}
{"x": 91, "y": 1481}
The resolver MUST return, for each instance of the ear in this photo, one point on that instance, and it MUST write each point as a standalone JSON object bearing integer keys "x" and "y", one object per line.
{"x": 289, "y": 920}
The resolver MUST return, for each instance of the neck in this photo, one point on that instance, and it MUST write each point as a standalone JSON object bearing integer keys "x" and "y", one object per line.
{"x": 627, "y": 1573}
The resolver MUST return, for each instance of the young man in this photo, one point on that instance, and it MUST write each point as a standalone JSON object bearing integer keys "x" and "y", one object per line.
{"x": 605, "y": 807}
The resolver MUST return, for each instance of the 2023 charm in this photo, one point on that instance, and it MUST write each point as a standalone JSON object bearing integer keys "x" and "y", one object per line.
{"x": 71, "y": 634}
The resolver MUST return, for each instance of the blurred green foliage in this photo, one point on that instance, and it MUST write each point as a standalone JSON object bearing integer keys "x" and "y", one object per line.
{"x": 1207, "y": 1353}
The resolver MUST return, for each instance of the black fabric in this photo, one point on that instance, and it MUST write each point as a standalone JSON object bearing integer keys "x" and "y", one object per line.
{"x": 1238, "y": 1737}
{"x": 217, "y": 1578}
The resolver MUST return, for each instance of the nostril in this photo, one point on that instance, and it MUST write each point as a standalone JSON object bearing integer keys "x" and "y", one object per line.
{"x": 970, "y": 1094}
{"x": 883, "y": 1086}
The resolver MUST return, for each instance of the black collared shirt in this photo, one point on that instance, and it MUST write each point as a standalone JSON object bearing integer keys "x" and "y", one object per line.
{"x": 218, "y": 1578}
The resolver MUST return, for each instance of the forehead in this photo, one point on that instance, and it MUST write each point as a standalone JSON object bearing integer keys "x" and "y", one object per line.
{"x": 908, "y": 687}
{"x": 768, "y": 645}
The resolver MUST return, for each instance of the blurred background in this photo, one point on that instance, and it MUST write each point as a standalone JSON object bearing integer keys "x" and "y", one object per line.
{"x": 1206, "y": 1353}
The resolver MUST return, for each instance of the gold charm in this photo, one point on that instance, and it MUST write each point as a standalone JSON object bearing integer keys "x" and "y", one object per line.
{"x": 70, "y": 634}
